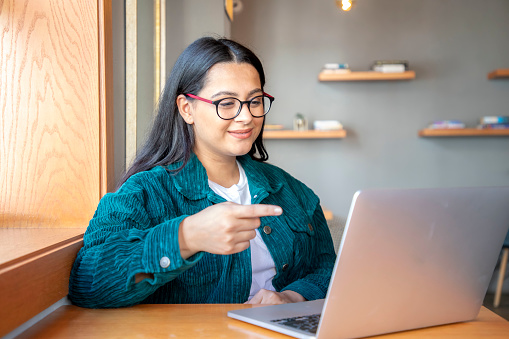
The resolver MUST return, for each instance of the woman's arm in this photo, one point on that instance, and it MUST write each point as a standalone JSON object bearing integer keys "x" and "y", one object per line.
{"x": 122, "y": 243}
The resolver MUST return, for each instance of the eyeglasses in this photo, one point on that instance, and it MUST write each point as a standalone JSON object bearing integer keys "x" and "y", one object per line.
{"x": 229, "y": 108}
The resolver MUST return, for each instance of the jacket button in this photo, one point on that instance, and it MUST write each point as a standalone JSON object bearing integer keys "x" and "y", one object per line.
{"x": 164, "y": 262}
{"x": 267, "y": 230}
{"x": 310, "y": 227}
{"x": 285, "y": 267}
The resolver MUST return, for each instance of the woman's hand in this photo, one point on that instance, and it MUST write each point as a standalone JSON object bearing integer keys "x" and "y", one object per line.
{"x": 224, "y": 228}
{"x": 264, "y": 296}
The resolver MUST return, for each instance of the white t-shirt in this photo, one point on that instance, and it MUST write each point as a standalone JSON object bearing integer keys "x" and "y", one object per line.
{"x": 262, "y": 263}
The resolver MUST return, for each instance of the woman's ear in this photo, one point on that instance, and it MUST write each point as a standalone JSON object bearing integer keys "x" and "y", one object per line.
{"x": 185, "y": 109}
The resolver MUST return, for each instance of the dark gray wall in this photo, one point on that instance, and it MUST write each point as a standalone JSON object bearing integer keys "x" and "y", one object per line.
{"x": 145, "y": 69}
{"x": 451, "y": 44}
{"x": 188, "y": 20}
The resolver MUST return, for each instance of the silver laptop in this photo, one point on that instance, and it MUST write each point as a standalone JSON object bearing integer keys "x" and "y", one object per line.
{"x": 409, "y": 258}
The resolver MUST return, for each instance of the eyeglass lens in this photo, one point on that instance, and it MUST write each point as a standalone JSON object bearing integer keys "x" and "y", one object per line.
{"x": 229, "y": 108}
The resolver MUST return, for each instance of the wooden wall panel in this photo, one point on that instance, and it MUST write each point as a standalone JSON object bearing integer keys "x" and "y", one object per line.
{"x": 50, "y": 101}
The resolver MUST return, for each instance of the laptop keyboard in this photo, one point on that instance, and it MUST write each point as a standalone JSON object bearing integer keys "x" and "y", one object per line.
{"x": 306, "y": 323}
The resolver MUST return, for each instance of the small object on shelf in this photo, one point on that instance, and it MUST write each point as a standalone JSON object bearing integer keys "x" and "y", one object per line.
{"x": 493, "y": 126}
{"x": 446, "y": 124}
{"x": 336, "y": 71}
{"x": 391, "y": 63}
{"x": 327, "y": 125}
{"x": 335, "y": 68}
{"x": 494, "y": 122}
{"x": 390, "y": 66}
{"x": 494, "y": 119}
{"x": 300, "y": 123}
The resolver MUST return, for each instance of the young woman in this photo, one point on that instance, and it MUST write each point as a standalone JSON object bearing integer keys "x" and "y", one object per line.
{"x": 200, "y": 217}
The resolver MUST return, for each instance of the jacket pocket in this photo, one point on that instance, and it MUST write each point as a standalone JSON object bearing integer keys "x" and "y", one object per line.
{"x": 301, "y": 223}
{"x": 303, "y": 244}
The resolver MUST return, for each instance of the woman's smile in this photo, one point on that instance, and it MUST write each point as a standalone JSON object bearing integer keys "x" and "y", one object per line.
{"x": 241, "y": 133}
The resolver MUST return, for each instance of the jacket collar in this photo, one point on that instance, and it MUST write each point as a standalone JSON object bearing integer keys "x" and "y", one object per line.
{"x": 192, "y": 180}
{"x": 261, "y": 183}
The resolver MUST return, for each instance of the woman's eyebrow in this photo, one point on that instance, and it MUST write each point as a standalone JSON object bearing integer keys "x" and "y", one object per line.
{"x": 258, "y": 90}
{"x": 224, "y": 93}
{"x": 234, "y": 94}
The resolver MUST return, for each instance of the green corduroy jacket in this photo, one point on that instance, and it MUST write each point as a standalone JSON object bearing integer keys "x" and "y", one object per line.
{"x": 137, "y": 226}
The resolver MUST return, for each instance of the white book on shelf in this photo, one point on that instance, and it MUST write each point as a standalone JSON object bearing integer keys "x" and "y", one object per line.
{"x": 336, "y": 71}
{"x": 335, "y": 66}
{"x": 396, "y": 68}
{"x": 327, "y": 125}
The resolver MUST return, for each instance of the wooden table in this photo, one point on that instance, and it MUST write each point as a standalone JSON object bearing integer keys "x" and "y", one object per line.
{"x": 197, "y": 321}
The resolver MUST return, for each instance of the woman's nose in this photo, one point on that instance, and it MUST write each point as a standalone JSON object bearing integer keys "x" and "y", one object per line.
{"x": 245, "y": 114}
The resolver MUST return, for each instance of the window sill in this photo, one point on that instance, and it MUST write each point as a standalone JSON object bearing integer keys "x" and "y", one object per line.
{"x": 35, "y": 264}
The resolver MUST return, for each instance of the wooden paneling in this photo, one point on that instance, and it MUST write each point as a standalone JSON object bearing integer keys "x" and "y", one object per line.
{"x": 55, "y": 147}
{"x": 52, "y": 99}
{"x": 106, "y": 165}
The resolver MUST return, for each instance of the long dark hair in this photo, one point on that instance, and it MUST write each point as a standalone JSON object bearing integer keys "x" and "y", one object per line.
{"x": 171, "y": 140}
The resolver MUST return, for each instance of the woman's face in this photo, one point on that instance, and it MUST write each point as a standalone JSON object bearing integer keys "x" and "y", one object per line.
{"x": 217, "y": 138}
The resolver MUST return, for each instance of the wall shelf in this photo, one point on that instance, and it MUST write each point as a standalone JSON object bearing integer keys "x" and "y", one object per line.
{"x": 328, "y": 214}
{"x": 463, "y": 132}
{"x": 310, "y": 134}
{"x": 366, "y": 76}
{"x": 499, "y": 74}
